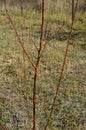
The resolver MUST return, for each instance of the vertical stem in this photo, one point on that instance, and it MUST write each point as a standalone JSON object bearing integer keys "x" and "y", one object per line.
{"x": 37, "y": 65}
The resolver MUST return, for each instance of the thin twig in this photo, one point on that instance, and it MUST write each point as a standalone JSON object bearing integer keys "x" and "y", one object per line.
{"x": 26, "y": 90}
{"x": 30, "y": 36}
{"x": 19, "y": 39}
{"x": 52, "y": 37}
{"x": 44, "y": 96}
{"x": 25, "y": 84}
{"x": 62, "y": 70}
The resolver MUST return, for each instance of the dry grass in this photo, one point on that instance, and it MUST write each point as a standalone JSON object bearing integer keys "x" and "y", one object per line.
{"x": 70, "y": 110}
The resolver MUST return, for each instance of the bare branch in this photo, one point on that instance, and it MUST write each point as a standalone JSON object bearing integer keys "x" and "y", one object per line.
{"x": 25, "y": 84}
{"x": 20, "y": 41}
{"x": 30, "y": 36}
{"x": 62, "y": 70}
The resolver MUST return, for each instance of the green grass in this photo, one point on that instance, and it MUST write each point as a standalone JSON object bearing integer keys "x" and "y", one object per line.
{"x": 70, "y": 110}
{"x": 80, "y": 23}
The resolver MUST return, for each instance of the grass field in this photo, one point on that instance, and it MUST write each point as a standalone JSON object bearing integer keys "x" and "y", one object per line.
{"x": 70, "y": 108}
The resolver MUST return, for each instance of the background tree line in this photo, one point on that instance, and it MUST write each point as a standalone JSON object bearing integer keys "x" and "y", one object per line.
{"x": 53, "y": 5}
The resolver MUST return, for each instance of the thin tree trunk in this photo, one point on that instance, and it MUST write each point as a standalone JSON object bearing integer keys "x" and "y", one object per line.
{"x": 37, "y": 66}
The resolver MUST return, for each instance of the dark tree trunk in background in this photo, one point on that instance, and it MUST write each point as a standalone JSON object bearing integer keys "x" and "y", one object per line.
{"x": 72, "y": 10}
{"x": 21, "y": 6}
{"x": 4, "y": 3}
